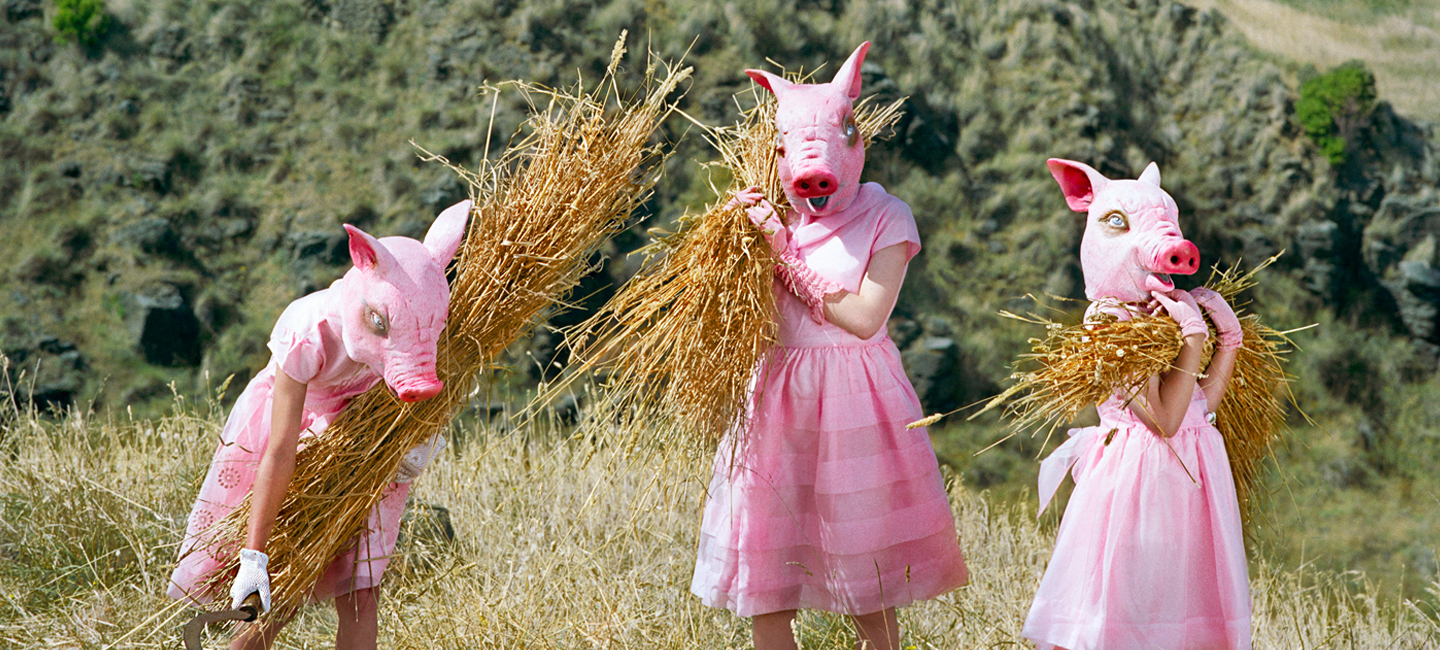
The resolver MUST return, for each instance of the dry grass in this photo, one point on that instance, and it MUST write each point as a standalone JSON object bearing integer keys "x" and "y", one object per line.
{"x": 539, "y": 214}
{"x": 1400, "y": 48}
{"x": 1081, "y": 365}
{"x": 678, "y": 344}
{"x": 559, "y": 544}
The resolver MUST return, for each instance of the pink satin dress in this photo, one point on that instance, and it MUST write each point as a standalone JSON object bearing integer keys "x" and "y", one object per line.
{"x": 1150, "y": 552}
{"x": 306, "y": 344}
{"x": 827, "y": 501}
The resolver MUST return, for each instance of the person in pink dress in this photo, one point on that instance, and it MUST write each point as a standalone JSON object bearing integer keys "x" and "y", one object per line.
{"x": 1150, "y": 552}
{"x": 825, "y": 500}
{"x": 380, "y": 321}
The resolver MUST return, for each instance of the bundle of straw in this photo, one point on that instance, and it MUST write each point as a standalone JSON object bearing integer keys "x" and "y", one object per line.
{"x": 1082, "y": 365}
{"x": 680, "y": 340}
{"x": 539, "y": 214}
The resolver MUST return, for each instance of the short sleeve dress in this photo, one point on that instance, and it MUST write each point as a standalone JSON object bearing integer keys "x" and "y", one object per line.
{"x": 306, "y": 344}
{"x": 827, "y": 501}
{"x": 1150, "y": 552}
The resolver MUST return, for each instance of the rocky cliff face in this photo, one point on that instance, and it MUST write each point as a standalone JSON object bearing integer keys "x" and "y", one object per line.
{"x": 168, "y": 190}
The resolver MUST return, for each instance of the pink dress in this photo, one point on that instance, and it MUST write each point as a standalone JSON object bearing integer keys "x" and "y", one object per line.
{"x": 829, "y": 502}
{"x": 305, "y": 344}
{"x": 1150, "y": 552}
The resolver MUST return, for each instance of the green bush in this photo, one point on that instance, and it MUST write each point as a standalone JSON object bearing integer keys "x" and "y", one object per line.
{"x": 80, "y": 20}
{"x": 1333, "y": 107}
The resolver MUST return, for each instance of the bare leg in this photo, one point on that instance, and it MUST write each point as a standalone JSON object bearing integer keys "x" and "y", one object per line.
{"x": 359, "y": 620}
{"x": 878, "y": 630}
{"x": 258, "y": 636}
{"x": 772, "y": 631}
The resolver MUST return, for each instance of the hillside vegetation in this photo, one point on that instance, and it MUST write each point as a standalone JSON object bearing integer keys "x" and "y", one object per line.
{"x": 167, "y": 188}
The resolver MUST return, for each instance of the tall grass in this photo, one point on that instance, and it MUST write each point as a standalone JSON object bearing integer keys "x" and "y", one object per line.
{"x": 558, "y": 544}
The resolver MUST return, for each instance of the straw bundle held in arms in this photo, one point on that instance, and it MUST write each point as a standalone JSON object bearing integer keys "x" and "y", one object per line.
{"x": 571, "y": 184}
{"x": 679, "y": 342}
{"x": 1079, "y": 366}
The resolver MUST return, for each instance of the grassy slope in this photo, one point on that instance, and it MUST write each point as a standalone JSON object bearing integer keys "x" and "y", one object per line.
{"x": 1398, "y": 39}
{"x": 559, "y": 545}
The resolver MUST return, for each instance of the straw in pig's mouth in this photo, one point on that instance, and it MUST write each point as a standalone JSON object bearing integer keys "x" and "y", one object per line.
{"x": 818, "y": 202}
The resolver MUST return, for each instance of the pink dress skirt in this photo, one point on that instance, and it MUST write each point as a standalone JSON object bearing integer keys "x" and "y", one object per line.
{"x": 1150, "y": 552}
{"x": 827, "y": 502}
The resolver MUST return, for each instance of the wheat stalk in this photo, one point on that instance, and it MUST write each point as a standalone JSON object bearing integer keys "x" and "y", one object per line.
{"x": 539, "y": 214}
{"x": 678, "y": 344}
{"x": 1077, "y": 366}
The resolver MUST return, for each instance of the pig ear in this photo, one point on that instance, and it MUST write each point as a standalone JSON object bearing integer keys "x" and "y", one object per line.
{"x": 1079, "y": 181}
{"x": 847, "y": 78}
{"x": 772, "y": 82}
{"x": 1151, "y": 175}
{"x": 367, "y": 252}
{"x": 447, "y": 232}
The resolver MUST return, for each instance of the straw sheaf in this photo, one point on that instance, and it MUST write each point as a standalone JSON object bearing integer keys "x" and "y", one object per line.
{"x": 1081, "y": 365}
{"x": 540, "y": 213}
{"x": 678, "y": 344}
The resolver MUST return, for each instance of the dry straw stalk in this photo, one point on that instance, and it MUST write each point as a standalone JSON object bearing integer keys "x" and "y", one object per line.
{"x": 678, "y": 344}
{"x": 1079, "y": 366}
{"x": 538, "y": 216}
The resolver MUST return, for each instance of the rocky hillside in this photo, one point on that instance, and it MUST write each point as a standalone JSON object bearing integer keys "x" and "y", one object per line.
{"x": 171, "y": 186}
{"x": 167, "y": 188}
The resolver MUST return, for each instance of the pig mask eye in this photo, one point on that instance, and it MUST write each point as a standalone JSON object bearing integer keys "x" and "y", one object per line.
{"x": 377, "y": 323}
{"x": 852, "y": 133}
{"x": 780, "y": 145}
{"x": 1116, "y": 220}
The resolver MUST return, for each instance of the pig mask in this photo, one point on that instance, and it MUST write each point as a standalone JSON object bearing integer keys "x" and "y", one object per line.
{"x": 1132, "y": 242}
{"x": 819, "y": 152}
{"x": 395, "y": 301}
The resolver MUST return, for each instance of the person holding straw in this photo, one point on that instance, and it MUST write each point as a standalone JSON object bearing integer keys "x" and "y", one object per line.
{"x": 822, "y": 498}
{"x": 379, "y": 322}
{"x": 1150, "y": 552}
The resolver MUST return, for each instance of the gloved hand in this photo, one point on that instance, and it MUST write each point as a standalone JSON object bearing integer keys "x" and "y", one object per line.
{"x": 762, "y": 214}
{"x": 1181, "y": 307}
{"x": 799, "y": 278}
{"x": 252, "y": 578}
{"x": 1227, "y": 325}
{"x": 418, "y": 457}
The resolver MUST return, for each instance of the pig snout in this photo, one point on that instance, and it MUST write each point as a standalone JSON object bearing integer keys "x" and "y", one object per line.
{"x": 416, "y": 385}
{"x": 419, "y": 391}
{"x": 815, "y": 182}
{"x": 1178, "y": 257}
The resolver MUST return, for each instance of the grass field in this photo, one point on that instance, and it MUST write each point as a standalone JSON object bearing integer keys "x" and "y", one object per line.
{"x": 558, "y": 544}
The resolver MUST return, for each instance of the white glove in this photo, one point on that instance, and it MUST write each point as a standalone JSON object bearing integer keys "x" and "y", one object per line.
{"x": 417, "y": 458}
{"x": 252, "y": 578}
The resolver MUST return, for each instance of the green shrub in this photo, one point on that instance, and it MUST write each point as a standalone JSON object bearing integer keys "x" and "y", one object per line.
{"x": 1333, "y": 107}
{"x": 80, "y": 20}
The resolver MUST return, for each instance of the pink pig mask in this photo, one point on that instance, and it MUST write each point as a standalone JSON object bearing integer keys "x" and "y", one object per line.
{"x": 395, "y": 302}
{"x": 819, "y": 152}
{"x": 1132, "y": 242}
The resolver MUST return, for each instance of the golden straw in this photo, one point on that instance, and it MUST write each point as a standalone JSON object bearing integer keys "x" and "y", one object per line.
{"x": 1081, "y": 365}
{"x": 678, "y": 344}
{"x": 539, "y": 214}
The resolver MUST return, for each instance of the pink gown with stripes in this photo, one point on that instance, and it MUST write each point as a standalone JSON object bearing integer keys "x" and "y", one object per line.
{"x": 1150, "y": 552}
{"x": 827, "y": 501}
{"x": 306, "y": 344}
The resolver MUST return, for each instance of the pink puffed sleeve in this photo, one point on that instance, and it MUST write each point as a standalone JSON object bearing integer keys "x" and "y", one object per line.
{"x": 295, "y": 344}
{"x": 896, "y": 226}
